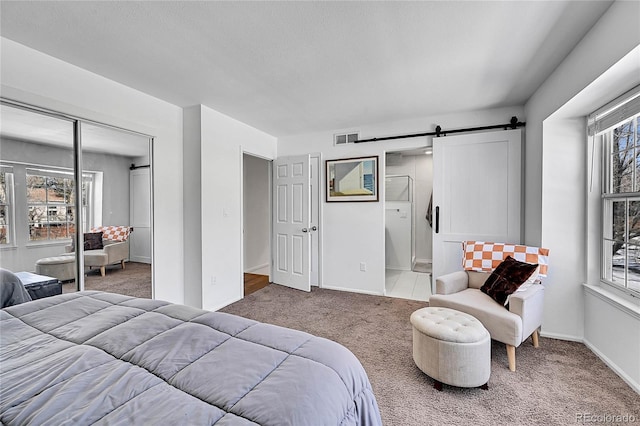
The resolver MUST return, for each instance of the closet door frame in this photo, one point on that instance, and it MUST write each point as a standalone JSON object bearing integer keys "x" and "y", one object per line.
{"x": 77, "y": 122}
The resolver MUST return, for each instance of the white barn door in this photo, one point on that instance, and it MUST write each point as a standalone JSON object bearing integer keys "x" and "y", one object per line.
{"x": 476, "y": 193}
{"x": 292, "y": 222}
{"x": 140, "y": 215}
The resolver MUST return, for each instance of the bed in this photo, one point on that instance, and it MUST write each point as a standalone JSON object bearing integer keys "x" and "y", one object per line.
{"x": 102, "y": 358}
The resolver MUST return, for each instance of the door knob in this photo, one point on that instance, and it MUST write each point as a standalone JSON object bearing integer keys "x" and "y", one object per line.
{"x": 314, "y": 228}
{"x": 305, "y": 230}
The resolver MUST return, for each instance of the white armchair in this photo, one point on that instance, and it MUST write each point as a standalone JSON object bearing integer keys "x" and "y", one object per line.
{"x": 112, "y": 252}
{"x": 461, "y": 291}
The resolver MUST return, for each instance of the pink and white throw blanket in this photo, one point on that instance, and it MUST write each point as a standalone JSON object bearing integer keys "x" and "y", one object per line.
{"x": 485, "y": 257}
{"x": 113, "y": 233}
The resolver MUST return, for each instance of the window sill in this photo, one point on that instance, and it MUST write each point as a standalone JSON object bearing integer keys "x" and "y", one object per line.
{"x": 629, "y": 304}
{"x": 47, "y": 244}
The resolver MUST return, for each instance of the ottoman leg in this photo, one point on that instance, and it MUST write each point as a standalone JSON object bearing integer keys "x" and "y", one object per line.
{"x": 485, "y": 386}
{"x": 437, "y": 385}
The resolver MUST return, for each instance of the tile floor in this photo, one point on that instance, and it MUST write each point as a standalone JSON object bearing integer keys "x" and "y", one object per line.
{"x": 408, "y": 284}
{"x": 402, "y": 284}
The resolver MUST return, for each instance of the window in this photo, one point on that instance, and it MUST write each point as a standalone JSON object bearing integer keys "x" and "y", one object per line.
{"x": 6, "y": 205}
{"x": 88, "y": 201}
{"x": 621, "y": 196}
{"x": 50, "y": 205}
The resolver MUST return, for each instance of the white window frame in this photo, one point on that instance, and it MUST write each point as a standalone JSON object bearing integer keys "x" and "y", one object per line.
{"x": 9, "y": 206}
{"x": 624, "y": 277}
{"x": 87, "y": 199}
{"x": 47, "y": 204}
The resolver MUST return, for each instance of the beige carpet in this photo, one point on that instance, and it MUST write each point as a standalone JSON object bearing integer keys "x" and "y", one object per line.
{"x": 134, "y": 280}
{"x": 552, "y": 385}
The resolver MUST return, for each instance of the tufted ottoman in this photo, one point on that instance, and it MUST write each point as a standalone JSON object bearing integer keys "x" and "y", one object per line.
{"x": 451, "y": 347}
{"x": 60, "y": 267}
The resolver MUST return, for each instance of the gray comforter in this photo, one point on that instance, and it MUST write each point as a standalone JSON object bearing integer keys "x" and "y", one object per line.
{"x": 95, "y": 357}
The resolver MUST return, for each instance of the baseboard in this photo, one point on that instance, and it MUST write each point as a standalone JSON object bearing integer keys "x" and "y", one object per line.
{"x": 352, "y": 290}
{"x": 559, "y": 336}
{"x": 256, "y": 268}
{"x": 624, "y": 376}
{"x": 398, "y": 268}
{"x": 217, "y": 308}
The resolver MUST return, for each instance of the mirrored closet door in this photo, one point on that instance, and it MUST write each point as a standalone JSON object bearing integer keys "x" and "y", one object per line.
{"x": 38, "y": 198}
{"x": 90, "y": 230}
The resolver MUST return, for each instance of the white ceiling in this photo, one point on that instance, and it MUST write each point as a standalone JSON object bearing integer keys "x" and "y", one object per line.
{"x": 295, "y": 67}
{"x": 28, "y": 126}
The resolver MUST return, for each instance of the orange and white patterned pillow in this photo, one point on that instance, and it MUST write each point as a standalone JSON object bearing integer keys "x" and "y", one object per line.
{"x": 113, "y": 233}
{"x": 485, "y": 257}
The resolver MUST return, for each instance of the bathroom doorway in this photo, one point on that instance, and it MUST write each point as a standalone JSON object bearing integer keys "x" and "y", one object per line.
{"x": 408, "y": 232}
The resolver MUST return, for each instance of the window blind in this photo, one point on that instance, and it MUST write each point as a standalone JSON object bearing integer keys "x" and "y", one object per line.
{"x": 614, "y": 112}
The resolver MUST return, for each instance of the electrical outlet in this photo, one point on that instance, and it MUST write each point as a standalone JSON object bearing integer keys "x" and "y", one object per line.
{"x": 363, "y": 266}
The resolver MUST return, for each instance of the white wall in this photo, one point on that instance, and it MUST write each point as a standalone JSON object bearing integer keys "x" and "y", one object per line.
{"x": 613, "y": 36}
{"x": 564, "y": 175}
{"x": 354, "y": 232}
{"x": 612, "y": 331}
{"x": 32, "y": 77}
{"x": 558, "y": 198}
{"x": 555, "y": 165}
{"x": 192, "y": 199}
{"x": 223, "y": 141}
{"x": 257, "y": 214}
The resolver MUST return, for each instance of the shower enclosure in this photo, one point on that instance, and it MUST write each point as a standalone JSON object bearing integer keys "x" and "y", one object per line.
{"x": 399, "y": 244}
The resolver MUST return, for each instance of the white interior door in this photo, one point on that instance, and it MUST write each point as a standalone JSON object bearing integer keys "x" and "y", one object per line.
{"x": 140, "y": 215}
{"x": 291, "y": 222}
{"x": 314, "y": 218}
{"x": 476, "y": 193}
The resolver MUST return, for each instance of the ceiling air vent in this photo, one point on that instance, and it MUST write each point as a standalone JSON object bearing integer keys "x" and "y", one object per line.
{"x": 345, "y": 138}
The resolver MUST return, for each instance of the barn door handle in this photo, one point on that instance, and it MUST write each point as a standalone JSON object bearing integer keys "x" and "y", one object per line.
{"x": 437, "y": 219}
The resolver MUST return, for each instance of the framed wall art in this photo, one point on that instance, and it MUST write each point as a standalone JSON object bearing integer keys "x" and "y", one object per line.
{"x": 352, "y": 179}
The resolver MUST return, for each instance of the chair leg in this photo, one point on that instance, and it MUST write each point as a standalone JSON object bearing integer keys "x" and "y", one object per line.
{"x": 511, "y": 355}
{"x": 122, "y": 263}
{"x": 102, "y": 271}
{"x": 534, "y": 337}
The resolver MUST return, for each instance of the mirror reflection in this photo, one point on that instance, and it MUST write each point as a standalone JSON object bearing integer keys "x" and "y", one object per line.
{"x": 39, "y": 197}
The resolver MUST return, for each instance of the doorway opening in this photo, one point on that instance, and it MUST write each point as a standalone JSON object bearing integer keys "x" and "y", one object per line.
{"x": 256, "y": 222}
{"x": 408, "y": 232}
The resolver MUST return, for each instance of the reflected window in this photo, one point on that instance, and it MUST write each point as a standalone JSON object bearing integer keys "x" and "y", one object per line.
{"x": 7, "y": 224}
{"x": 51, "y": 204}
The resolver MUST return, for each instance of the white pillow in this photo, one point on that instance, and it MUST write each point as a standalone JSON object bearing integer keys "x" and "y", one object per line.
{"x": 533, "y": 279}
